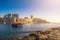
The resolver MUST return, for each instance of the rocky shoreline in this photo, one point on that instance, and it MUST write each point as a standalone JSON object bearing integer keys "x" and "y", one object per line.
{"x": 50, "y": 34}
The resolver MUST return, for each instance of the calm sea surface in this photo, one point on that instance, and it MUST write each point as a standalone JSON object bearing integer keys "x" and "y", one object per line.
{"x": 8, "y": 30}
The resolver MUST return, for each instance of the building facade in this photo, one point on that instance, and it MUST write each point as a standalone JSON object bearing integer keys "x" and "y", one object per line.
{"x": 7, "y": 19}
{"x": 15, "y": 18}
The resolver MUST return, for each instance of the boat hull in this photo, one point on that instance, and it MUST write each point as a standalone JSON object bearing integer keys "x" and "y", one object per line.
{"x": 17, "y": 25}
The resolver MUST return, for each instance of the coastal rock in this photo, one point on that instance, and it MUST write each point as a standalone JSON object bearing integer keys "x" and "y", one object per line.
{"x": 51, "y": 34}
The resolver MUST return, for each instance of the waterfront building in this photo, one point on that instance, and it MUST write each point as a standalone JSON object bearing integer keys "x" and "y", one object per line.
{"x": 35, "y": 20}
{"x": 1, "y": 20}
{"x": 28, "y": 20}
{"x": 25, "y": 19}
{"x": 38, "y": 20}
{"x": 15, "y": 15}
{"x": 21, "y": 20}
{"x": 7, "y": 19}
{"x": 31, "y": 17}
{"x": 15, "y": 18}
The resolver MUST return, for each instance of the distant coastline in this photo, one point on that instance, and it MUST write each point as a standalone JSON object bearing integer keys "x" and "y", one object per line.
{"x": 14, "y": 18}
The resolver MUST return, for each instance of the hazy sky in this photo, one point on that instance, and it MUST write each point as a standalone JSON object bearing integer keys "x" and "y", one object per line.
{"x": 45, "y": 9}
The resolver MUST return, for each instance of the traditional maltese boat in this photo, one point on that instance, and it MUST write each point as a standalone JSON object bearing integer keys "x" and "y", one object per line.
{"x": 17, "y": 24}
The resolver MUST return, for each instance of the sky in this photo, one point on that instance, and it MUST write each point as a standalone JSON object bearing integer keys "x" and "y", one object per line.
{"x": 45, "y": 9}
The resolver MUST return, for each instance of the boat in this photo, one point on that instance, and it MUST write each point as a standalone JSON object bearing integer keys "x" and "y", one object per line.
{"x": 17, "y": 25}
